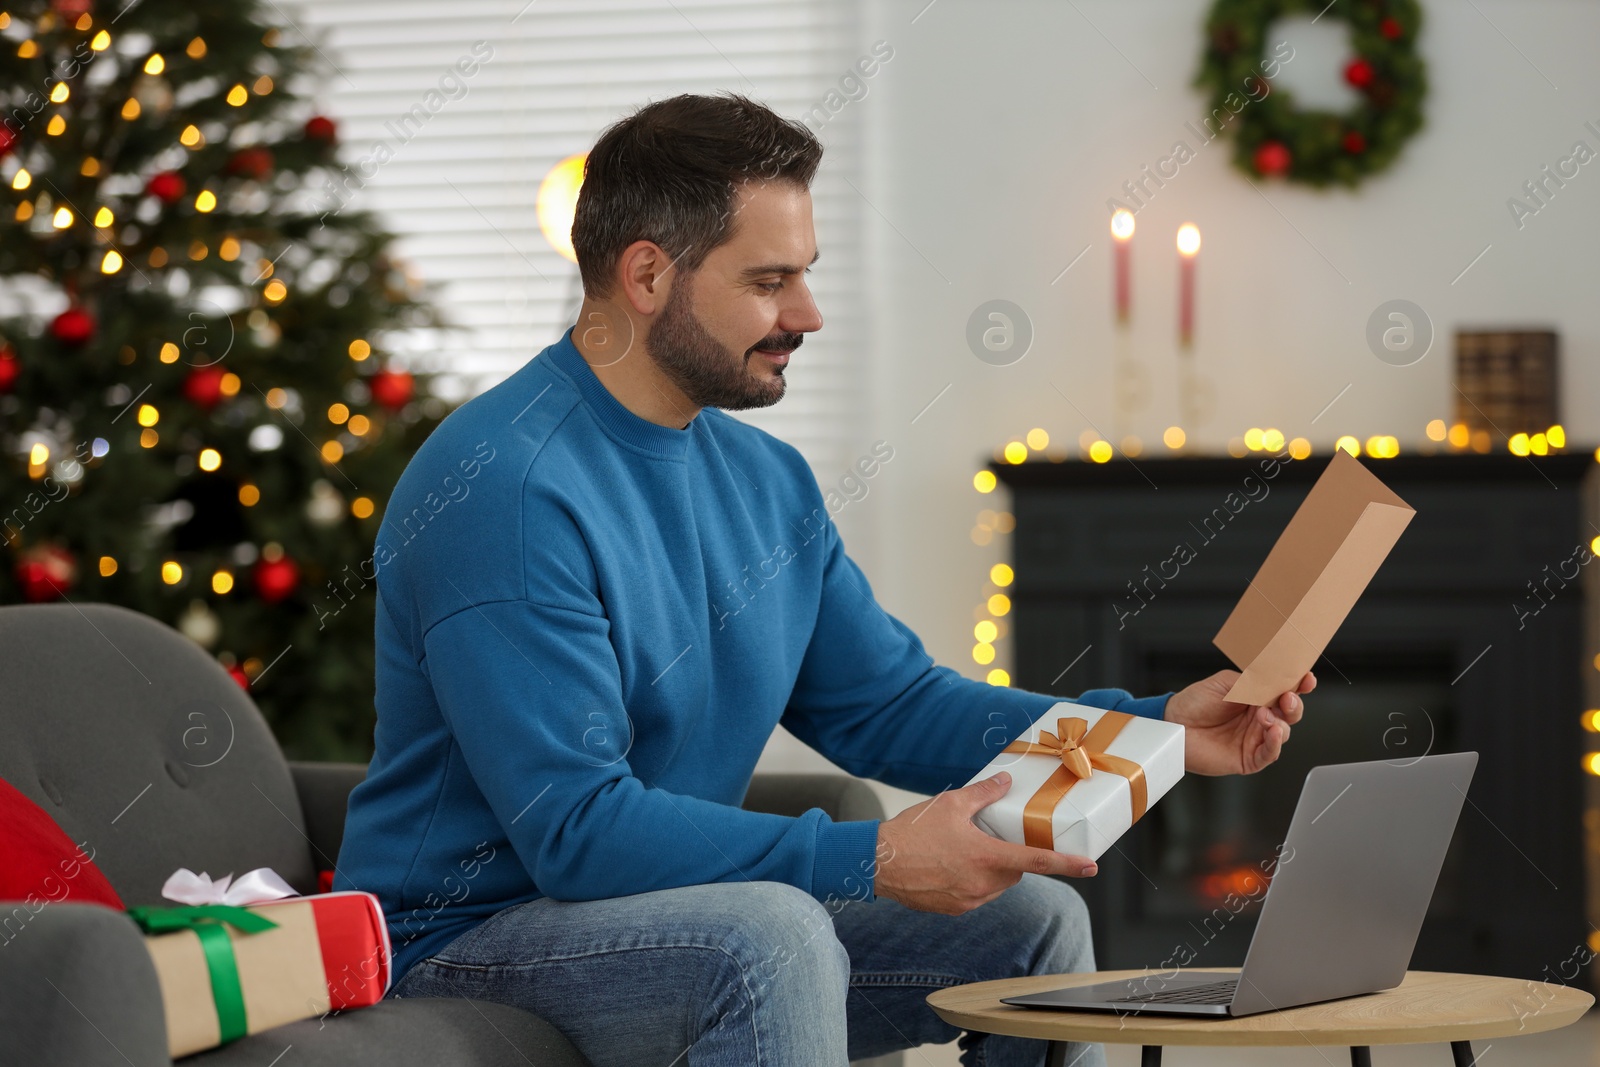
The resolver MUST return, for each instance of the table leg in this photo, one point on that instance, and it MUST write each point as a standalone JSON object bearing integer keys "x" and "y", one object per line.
{"x": 1461, "y": 1052}
{"x": 1360, "y": 1056}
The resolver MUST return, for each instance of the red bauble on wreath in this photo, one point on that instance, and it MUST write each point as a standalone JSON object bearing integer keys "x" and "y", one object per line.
{"x": 1272, "y": 159}
{"x": 1359, "y": 72}
{"x": 393, "y": 388}
{"x": 8, "y": 140}
{"x": 73, "y": 326}
{"x": 45, "y": 572}
{"x": 203, "y": 387}
{"x": 276, "y": 578}
{"x": 167, "y": 187}
{"x": 1391, "y": 28}
{"x": 10, "y": 367}
{"x": 1354, "y": 143}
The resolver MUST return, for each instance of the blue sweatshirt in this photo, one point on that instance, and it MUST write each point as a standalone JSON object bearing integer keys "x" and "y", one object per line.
{"x": 589, "y": 625}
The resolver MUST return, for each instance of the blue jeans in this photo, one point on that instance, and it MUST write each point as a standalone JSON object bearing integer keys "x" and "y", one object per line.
{"x": 760, "y": 974}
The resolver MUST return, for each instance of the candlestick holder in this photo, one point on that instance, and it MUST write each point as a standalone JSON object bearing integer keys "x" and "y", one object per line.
{"x": 1130, "y": 385}
{"x": 1197, "y": 398}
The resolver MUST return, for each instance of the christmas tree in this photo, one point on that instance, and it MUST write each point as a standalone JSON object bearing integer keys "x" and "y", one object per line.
{"x": 201, "y": 410}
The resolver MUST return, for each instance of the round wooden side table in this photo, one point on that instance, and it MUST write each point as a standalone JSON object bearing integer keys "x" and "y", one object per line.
{"x": 1425, "y": 1006}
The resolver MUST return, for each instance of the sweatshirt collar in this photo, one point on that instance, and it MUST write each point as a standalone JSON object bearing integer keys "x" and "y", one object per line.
{"x": 610, "y": 412}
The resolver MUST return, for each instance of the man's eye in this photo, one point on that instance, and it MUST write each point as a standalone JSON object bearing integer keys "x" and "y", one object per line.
{"x": 769, "y": 287}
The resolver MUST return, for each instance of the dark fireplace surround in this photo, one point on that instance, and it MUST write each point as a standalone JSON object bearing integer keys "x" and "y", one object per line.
{"x": 1470, "y": 637}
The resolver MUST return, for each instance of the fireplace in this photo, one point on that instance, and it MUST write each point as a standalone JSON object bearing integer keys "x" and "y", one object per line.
{"x": 1437, "y": 656}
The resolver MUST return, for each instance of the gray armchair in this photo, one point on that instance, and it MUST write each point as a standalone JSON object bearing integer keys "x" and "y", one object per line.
{"x": 141, "y": 747}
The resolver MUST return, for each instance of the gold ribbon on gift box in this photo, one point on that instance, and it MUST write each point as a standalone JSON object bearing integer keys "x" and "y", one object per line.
{"x": 1080, "y": 751}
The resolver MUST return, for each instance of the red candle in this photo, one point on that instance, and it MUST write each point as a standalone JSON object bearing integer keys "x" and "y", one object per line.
{"x": 1188, "y": 248}
{"x": 1121, "y": 239}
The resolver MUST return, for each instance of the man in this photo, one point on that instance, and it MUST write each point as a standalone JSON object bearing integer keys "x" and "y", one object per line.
{"x": 598, "y": 594}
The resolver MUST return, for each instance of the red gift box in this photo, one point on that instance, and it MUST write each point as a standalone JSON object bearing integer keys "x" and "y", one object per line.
{"x": 355, "y": 945}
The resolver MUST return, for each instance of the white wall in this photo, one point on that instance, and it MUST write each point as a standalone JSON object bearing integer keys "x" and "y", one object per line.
{"x": 994, "y": 140}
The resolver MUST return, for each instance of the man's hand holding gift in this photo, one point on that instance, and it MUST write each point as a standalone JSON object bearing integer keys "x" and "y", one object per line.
{"x": 965, "y": 847}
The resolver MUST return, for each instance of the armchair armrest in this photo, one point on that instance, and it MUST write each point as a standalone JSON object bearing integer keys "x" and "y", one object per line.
{"x": 844, "y": 798}
{"x": 324, "y": 790}
{"x": 77, "y": 986}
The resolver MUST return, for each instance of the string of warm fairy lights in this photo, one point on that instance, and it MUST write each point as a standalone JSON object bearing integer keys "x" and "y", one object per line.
{"x": 989, "y": 617}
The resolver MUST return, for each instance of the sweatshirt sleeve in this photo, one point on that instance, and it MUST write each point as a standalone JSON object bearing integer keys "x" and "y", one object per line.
{"x": 522, "y": 686}
{"x": 871, "y": 699}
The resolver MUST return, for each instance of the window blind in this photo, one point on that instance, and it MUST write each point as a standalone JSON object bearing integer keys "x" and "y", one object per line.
{"x": 452, "y": 162}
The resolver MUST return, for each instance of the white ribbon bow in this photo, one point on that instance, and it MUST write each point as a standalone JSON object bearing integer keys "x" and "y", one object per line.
{"x": 255, "y": 887}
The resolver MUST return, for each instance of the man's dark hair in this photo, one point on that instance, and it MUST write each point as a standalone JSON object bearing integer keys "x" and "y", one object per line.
{"x": 667, "y": 173}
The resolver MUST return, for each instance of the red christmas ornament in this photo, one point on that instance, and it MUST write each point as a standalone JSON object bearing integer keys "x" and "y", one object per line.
{"x": 45, "y": 572}
{"x": 8, "y": 140}
{"x": 276, "y": 578}
{"x": 1359, "y": 73}
{"x": 203, "y": 387}
{"x": 1272, "y": 159}
{"x": 10, "y": 368}
{"x": 72, "y": 9}
{"x": 73, "y": 326}
{"x": 168, "y": 186}
{"x": 1354, "y": 143}
{"x": 321, "y": 128}
{"x": 255, "y": 163}
{"x": 1391, "y": 28}
{"x": 239, "y": 676}
{"x": 392, "y": 388}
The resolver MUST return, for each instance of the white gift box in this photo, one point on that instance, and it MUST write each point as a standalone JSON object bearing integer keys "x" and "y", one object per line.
{"x": 1095, "y": 810}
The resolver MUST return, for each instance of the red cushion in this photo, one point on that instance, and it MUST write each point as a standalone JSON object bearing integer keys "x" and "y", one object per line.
{"x": 40, "y": 864}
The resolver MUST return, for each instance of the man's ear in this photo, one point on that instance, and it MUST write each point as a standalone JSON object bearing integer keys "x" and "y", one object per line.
{"x": 645, "y": 277}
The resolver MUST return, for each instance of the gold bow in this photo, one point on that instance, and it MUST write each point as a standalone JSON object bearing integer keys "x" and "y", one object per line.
{"x": 1080, "y": 750}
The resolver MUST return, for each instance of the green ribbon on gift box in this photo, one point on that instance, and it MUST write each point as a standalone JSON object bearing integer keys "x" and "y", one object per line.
{"x": 206, "y": 920}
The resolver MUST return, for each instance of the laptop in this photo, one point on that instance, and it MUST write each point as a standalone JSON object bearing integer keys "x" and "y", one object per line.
{"x": 1345, "y": 905}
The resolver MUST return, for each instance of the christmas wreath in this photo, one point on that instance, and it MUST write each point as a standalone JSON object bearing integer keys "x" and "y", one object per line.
{"x": 1272, "y": 138}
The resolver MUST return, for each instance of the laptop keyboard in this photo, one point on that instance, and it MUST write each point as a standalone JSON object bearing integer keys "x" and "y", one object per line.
{"x": 1210, "y": 993}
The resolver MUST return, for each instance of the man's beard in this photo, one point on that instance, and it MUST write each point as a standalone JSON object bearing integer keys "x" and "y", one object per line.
{"x": 701, "y": 367}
